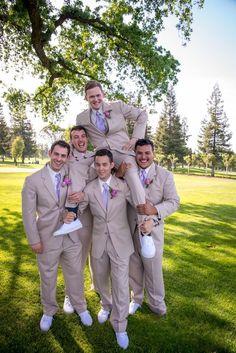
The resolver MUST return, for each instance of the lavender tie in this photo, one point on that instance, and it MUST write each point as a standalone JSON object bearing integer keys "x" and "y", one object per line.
{"x": 100, "y": 122}
{"x": 143, "y": 176}
{"x": 105, "y": 194}
{"x": 58, "y": 185}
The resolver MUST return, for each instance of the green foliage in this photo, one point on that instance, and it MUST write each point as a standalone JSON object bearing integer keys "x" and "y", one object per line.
{"x": 199, "y": 273}
{"x": 66, "y": 46}
{"x": 171, "y": 133}
{"x": 4, "y": 135}
{"x": 215, "y": 134}
{"x": 21, "y": 126}
{"x": 17, "y": 148}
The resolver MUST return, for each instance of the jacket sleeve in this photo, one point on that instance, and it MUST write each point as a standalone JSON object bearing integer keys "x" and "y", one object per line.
{"x": 29, "y": 199}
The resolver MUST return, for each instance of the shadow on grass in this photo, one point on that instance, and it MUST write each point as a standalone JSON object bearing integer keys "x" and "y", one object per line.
{"x": 198, "y": 269}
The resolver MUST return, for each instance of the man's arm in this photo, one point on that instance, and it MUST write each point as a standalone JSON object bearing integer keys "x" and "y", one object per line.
{"x": 29, "y": 198}
{"x": 140, "y": 117}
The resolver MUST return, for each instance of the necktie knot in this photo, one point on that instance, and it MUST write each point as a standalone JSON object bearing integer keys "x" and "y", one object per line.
{"x": 100, "y": 122}
{"x": 105, "y": 194}
{"x": 143, "y": 176}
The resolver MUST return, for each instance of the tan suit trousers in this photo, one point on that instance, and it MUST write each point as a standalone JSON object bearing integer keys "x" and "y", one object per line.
{"x": 118, "y": 302}
{"x": 69, "y": 256}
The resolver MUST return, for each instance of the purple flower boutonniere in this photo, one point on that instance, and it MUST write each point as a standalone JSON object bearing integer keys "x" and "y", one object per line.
{"x": 107, "y": 113}
{"x": 113, "y": 192}
{"x": 66, "y": 181}
{"x": 148, "y": 182}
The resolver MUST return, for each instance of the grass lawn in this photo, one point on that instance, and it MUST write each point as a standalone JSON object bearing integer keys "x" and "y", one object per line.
{"x": 199, "y": 271}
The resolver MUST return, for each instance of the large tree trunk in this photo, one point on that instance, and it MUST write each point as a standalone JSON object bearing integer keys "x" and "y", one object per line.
{"x": 212, "y": 171}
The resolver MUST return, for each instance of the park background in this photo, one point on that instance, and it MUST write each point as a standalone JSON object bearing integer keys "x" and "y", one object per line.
{"x": 199, "y": 259}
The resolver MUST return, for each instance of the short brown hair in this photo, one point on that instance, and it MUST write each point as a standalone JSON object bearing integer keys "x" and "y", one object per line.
{"x": 78, "y": 128}
{"x": 61, "y": 143}
{"x": 92, "y": 84}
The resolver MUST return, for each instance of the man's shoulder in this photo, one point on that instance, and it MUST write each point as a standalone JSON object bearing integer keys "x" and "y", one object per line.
{"x": 162, "y": 171}
{"x": 82, "y": 114}
{"x": 35, "y": 177}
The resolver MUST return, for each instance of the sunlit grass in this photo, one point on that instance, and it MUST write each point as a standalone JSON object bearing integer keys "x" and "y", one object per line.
{"x": 199, "y": 269}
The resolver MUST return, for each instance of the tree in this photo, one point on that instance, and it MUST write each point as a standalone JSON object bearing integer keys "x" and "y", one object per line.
{"x": 21, "y": 126}
{"x": 188, "y": 160}
{"x": 173, "y": 159}
{"x": 171, "y": 133}
{"x": 67, "y": 45}
{"x": 228, "y": 160}
{"x": 17, "y": 148}
{"x": 4, "y": 135}
{"x": 215, "y": 135}
{"x": 208, "y": 160}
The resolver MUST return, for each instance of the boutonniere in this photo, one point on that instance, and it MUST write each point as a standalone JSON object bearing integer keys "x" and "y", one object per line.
{"x": 66, "y": 181}
{"x": 107, "y": 113}
{"x": 113, "y": 192}
{"x": 148, "y": 182}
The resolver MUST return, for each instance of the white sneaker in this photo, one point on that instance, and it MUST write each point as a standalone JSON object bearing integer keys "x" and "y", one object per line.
{"x": 148, "y": 249}
{"x": 67, "y": 307}
{"x": 122, "y": 339}
{"x": 86, "y": 318}
{"x": 133, "y": 307}
{"x": 45, "y": 322}
{"x": 68, "y": 227}
{"x": 103, "y": 315}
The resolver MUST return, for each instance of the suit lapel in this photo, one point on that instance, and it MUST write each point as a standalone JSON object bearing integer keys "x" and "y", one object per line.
{"x": 98, "y": 195}
{"x": 47, "y": 181}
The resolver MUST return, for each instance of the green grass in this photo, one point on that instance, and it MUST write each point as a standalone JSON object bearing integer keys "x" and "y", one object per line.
{"x": 199, "y": 271}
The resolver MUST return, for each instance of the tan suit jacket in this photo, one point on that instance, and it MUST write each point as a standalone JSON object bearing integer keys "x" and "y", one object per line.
{"x": 81, "y": 172}
{"x": 42, "y": 215}
{"x": 161, "y": 192}
{"x": 111, "y": 222}
{"x": 117, "y": 135}
{"x": 42, "y": 212}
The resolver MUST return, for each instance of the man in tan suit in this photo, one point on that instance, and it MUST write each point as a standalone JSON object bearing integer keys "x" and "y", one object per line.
{"x": 112, "y": 243}
{"x": 106, "y": 127}
{"x": 81, "y": 171}
{"x": 43, "y": 200}
{"x": 162, "y": 200}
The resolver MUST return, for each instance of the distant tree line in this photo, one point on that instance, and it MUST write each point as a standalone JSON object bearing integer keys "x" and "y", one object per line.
{"x": 18, "y": 139}
{"x": 171, "y": 136}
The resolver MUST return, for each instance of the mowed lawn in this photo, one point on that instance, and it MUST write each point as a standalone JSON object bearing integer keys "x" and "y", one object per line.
{"x": 199, "y": 271}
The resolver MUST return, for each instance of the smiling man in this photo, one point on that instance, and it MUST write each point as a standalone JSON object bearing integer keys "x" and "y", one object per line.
{"x": 43, "y": 200}
{"x": 106, "y": 127}
{"x": 112, "y": 244}
{"x": 162, "y": 201}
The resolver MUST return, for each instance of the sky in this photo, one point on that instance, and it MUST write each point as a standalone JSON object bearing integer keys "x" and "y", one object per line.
{"x": 209, "y": 58}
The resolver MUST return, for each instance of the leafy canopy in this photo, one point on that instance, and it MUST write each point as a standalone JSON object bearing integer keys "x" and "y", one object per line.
{"x": 105, "y": 40}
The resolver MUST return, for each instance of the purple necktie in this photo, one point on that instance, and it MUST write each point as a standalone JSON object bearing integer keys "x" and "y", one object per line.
{"x": 100, "y": 122}
{"x": 105, "y": 194}
{"x": 143, "y": 176}
{"x": 58, "y": 185}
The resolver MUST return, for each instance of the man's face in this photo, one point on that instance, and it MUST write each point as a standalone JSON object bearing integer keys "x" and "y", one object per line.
{"x": 58, "y": 158}
{"x": 144, "y": 156}
{"x": 95, "y": 97}
{"x": 103, "y": 167}
{"x": 79, "y": 140}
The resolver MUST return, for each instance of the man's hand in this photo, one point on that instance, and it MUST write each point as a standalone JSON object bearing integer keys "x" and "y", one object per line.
{"x": 147, "y": 226}
{"x": 129, "y": 145}
{"x": 76, "y": 197}
{"x": 122, "y": 169}
{"x": 69, "y": 217}
{"x": 146, "y": 209}
{"x": 37, "y": 248}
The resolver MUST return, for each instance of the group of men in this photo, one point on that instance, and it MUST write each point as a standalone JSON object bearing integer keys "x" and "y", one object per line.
{"x": 121, "y": 214}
